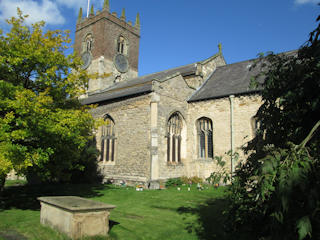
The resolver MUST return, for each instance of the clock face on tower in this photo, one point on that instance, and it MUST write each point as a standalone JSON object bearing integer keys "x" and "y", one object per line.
{"x": 121, "y": 63}
{"x": 86, "y": 59}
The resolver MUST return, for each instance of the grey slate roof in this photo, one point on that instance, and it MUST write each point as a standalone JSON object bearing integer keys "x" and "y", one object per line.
{"x": 136, "y": 86}
{"x": 231, "y": 79}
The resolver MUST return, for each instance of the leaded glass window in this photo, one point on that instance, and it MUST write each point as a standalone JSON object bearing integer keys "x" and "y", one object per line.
{"x": 205, "y": 142}
{"x": 108, "y": 140}
{"x": 174, "y": 129}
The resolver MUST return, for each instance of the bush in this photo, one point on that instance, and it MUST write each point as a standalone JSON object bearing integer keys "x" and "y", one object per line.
{"x": 185, "y": 179}
{"x": 174, "y": 182}
{"x": 221, "y": 175}
{"x": 195, "y": 180}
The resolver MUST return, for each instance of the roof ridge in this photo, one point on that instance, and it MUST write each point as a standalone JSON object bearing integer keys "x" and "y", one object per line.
{"x": 252, "y": 59}
{"x": 230, "y": 64}
{"x": 170, "y": 69}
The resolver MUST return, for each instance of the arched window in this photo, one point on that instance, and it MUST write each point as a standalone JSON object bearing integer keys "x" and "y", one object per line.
{"x": 108, "y": 140}
{"x": 121, "y": 45}
{"x": 255, "y": 125}
{"x": 174, "y": 138}
{"x": 87, "y": 45}
{"x": 205, "y": 143}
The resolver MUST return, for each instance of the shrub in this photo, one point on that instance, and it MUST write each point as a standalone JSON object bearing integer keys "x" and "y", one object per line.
{"x": 196, "y": 180}
{"x": 221, "y": 175}
{"x": 185, "y": 179}
{"x": 174, "y": 182}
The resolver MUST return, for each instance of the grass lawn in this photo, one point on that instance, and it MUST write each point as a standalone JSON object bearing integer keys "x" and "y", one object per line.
{"x": 150, "y": 214}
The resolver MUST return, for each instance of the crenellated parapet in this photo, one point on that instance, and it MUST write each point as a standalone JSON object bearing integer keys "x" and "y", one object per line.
{"x": 105, "y": 13}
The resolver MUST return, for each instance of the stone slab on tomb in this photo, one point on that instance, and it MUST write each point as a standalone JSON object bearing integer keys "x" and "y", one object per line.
{"x": 75, "y": 216}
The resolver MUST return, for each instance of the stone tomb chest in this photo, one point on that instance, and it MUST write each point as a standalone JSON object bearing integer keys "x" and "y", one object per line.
{"x": 75, "y": 216}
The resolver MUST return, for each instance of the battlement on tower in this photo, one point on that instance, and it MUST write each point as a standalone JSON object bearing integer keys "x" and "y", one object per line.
{"x": 105, "y": 13}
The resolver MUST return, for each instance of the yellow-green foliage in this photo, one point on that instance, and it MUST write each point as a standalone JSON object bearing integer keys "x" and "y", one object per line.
{"x": 196, "y": 179}
{"x": 185, "y": 179}
{"x": 192, "y": 180}
{"x": 43, "y": 127}
{"x": 36, "y": 60}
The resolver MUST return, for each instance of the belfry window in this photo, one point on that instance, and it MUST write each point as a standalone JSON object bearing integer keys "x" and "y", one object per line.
{"x": 205, "y": 143}
{"x": 174, "y": 138}
{"x": 87, "y": 45}
{"x": 108, "y": 140}
{"x": 121, "y": 45}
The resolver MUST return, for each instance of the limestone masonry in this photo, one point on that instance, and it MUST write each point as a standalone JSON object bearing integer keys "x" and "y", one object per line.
{"x": 167, "y": 124}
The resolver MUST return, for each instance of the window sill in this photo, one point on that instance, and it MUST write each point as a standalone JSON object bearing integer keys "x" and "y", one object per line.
{"x": 109, "y": 163}
{"x": 205, "y": 160}
{"x": 173, "y": 164}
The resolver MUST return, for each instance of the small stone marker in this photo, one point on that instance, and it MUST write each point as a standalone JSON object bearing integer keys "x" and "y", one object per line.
{"x": 75, "y": 216}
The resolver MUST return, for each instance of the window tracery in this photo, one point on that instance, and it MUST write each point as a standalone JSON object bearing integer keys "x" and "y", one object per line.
{"x": 108, "y": 140}
{"x": 121, "y": 45}
{"x": 174, "y": 138}
{"x": 205, "y": 142}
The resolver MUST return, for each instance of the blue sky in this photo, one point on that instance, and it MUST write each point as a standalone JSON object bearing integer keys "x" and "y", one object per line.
{"x": 179, "y": 32}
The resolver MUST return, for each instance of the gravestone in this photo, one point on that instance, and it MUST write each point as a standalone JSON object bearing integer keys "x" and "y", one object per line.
{"x": 75, "y": 216}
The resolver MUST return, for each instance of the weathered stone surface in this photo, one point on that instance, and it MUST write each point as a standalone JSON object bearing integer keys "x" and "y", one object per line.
{"x": 75, "y": 216}
{"x": 154, "y": 185}
{"x": 132, "y": 131}
{"x": 218, "y": 110}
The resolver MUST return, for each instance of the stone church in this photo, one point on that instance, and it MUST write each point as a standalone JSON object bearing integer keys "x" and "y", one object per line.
{"x": 166, "y": 124}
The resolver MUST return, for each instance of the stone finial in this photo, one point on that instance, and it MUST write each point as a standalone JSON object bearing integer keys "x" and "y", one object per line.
{"x": 91, "y": 11}
{"x": 106, "y": 5}
{"x": 137, "y": 24}
{"x": 220, "y": 47}
{"x": 80, "y": 15}
{"x": 123, "y": 14}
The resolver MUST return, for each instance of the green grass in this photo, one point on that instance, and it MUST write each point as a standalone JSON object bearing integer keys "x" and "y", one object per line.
{"x": 150, "y": 214}
{"x": 15, "y": 183}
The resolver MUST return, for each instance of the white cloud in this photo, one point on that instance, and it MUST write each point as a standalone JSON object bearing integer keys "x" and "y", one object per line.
{"x": 307, "y": 1}
{"x": 44, "y": 10}
{"x": 51, "y": 11}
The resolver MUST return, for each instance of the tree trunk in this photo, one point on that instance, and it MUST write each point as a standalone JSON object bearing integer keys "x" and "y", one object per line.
{"x": 2, "y": 181}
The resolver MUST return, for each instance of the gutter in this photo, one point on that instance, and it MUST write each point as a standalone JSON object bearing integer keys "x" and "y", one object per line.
{"x": 231, "y": 98}
{"x": 224, "y": 95}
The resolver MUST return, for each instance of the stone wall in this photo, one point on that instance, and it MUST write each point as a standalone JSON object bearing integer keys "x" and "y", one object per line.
{"x": 141, "y": 132}
{"x": 173, "y": 95}
{"x": 132, "y": 150}
{"x": 210, "y": 65}
{"x": 218, "y": 110}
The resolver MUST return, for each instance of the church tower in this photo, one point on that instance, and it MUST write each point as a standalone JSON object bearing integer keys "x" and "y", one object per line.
{"x": 108, "y": 46}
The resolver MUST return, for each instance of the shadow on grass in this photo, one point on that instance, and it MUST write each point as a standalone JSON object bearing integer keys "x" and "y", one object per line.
{"x": 112, "y": 224}
{"x": 210, "y": 219}
{"x": 25, "y": 197}
{"x": 12, "y": 235}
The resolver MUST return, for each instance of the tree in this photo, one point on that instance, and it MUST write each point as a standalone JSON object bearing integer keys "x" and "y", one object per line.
{"x": 44, "y": 130}
{"x": 276, "y": 192}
